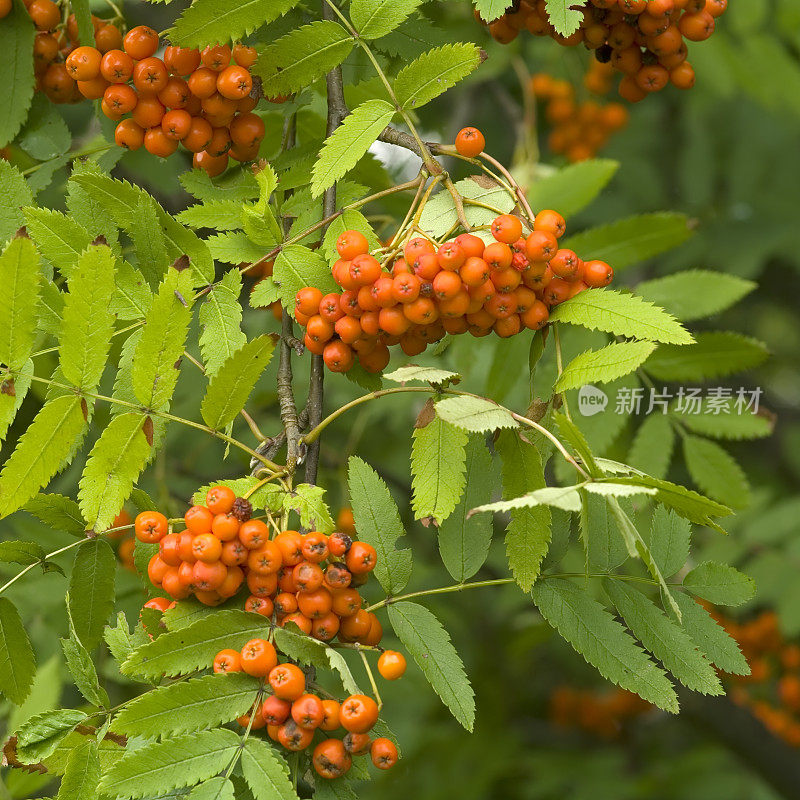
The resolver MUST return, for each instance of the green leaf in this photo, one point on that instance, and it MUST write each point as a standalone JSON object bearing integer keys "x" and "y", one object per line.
{"x": 41, "y": 452}
{"x": 17, "y": 552}
{"x": 720, "y": 584}
{"x": 193, "y": 648}
{"x": 219, "y": 215}
{"x": 604, "y": 365}
{"x": 121, "y": 642}
{"x": 565, "y": 19}
{"x": 59, "y": 237}
{"x": 432, "y": 375}
{"x": 726, "y": 423}
{"x": 218, "y": 788}
{"x": 115, "y": 463}
{"x": 132, "y": 296}
{"x": 297, "y": 59}
{"x": 58, "y": 512}
{"x": 695, "y": 293}
{"x": 474, "y": 414}
{"x": 83, "y": 17}
{"x": 10, "y": 403}
{"x": 348, "y": 143}
{"x": 266, "y": 772}
{"x": 91, "y": 590}
{"x": 122, "y": 201}
{"x": 435, "y": 72}
{"x": 604, "y": 547}
{"x": 719, "y": 647}
{"x": 714, "y": 354}
{"x": 669, "y": 539}
{"x": 264, "y": 294}
{"x": 158, "y": 353}
{"x": 230, "y": 387}
{"x": 17, "y": 662}
{"x": 375, "y": 18}
{"x": 235, "y": 185}
{"x": 438, "y": 456}
{"x": 631, "y": 240}
{"x": 15, "y": 193}
{"x": 158, "y": 767}
{"x": 651, "y": 450}
{"x": 42, "y": 733}
{"x": 224, "y": 20}
{"x": 666, "y": 640}
{"x": 528, "y": 532}
{"x": 440, "y": 215}
{"x": 45, "y": 135}
{"x": 490, "y": 10}
{"x": 82, "y": 669}
{"x": 87, "y": 322}
{"x": 149, "y": 241}
{"x": 378, "y": 523}
{"x": 602, "y": 641}
{"x": 16, "y": 45}
{"x": 567, "y": 498}
{"x": 621, "y": 314}
{"x": 428, "y": 642}
{"x": 234, "y": 247}
{"x": 296, "y": 267}
{"x": 19, "y": 276}
{"x": 192, "y": 705}
{"x": 572, "y": 188}
{"x": 82, "y": 775}
{"x": 308, "y": 501}
{"x": 221, "y": 318}
{"x": 716, "y": 472}
{"x": 464, "y": 541}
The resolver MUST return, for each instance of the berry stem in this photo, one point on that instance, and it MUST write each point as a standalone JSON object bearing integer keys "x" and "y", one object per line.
{"x": 371, "y": 678}
{"x": 560, "y": 366}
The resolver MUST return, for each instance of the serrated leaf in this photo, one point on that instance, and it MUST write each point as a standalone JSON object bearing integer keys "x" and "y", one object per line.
{"x": 121, "y": 200}
{"x": 621, "y": 314}
{"x": 567, "y": 498}
{"x": 18, "y": 552}
{"x": 719, "y": 647}
{"x": 264, "y": 294}
{"x": 572, "y": 188}
{"x": 82, "y": 775}
{"x": 149, "y": 240}
{"x": 412, "y": 372}
{"x": 429, "y": 643}
{"x": 611, "y": 489}
{"x": 377, "y": 520}
{"x": 230, "y": 387}
{"x": 474, "y": 414}
{"x": 10, "y": 404}
{"x": 160, "y": 766}
{"x": 87, "y": 323}
{"x": 720, "y": 584}
{"x": 91, "y": 590}
{"x": 15, "y": 193}
{"x": 266, "y": 772}
{"x": 563, "y": 17}
{"x": 669, "y": 538}
{"x": 602, "y": 543}
{"x": 234, "y": 247}
{"x": 114, "y": 465}
{"x": 348, "y": 143}
{"x": 602, "y": 641}
{"x": 714, "y": 354}
{"x": 490, "y": 10}
{"x": 59, "y": 238}
{"x": 218, "y": 788}
{"x": 224, "y": 20}
{"x": 121, "y": 642}
{"x": 726, "y": 423}
{"x": 716, "y": 472}
{"x": 16, "y": 45}
{"x": 528, "y": 532}
{"x": 45, "y": 135}
{"x": 666, "y": 640}
{"x": 17, "y": 662}
{"x": 192, "y": 705}
{"x": 438, "y": 456}
{"x": 464, "y": 541}
{"x": 297, "y": 59}
{"x": 41, "y": 734}
{"x": 156, "y": 360}
{"x": 651, "y": 450}
{"x": 604, "y": 365}
{"x": 435, "y": 72}
{"x": 695, "y": 293}
{"x": 19, "y": 276}
{"x": 59, "y": 512}
{"x": 41, "y": 452}
{"x": 296, "y": 267}
{"x": 235, "y": 185}
{"x": 81, "y": 667}
{"x": 375, "y": 18}
{"x": 132, "y": 295}
{"x": 631, "y": 240}
{"x": 309, "y": 503}
{"x": 193, "y": 648}
{"x": 219, "y": 215}
{"x": 221, "y": 318}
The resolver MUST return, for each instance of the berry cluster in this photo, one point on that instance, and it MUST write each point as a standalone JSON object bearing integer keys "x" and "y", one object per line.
{"x": 310, "y": 580}
{"x": 292, "y": 713}
{"x": 461, "y": 286}
{"x": 600, "y": 714}
{"x": 772, "y": 689}
{"x": 579, "y": 130}
{"x": 645, "y": 40}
